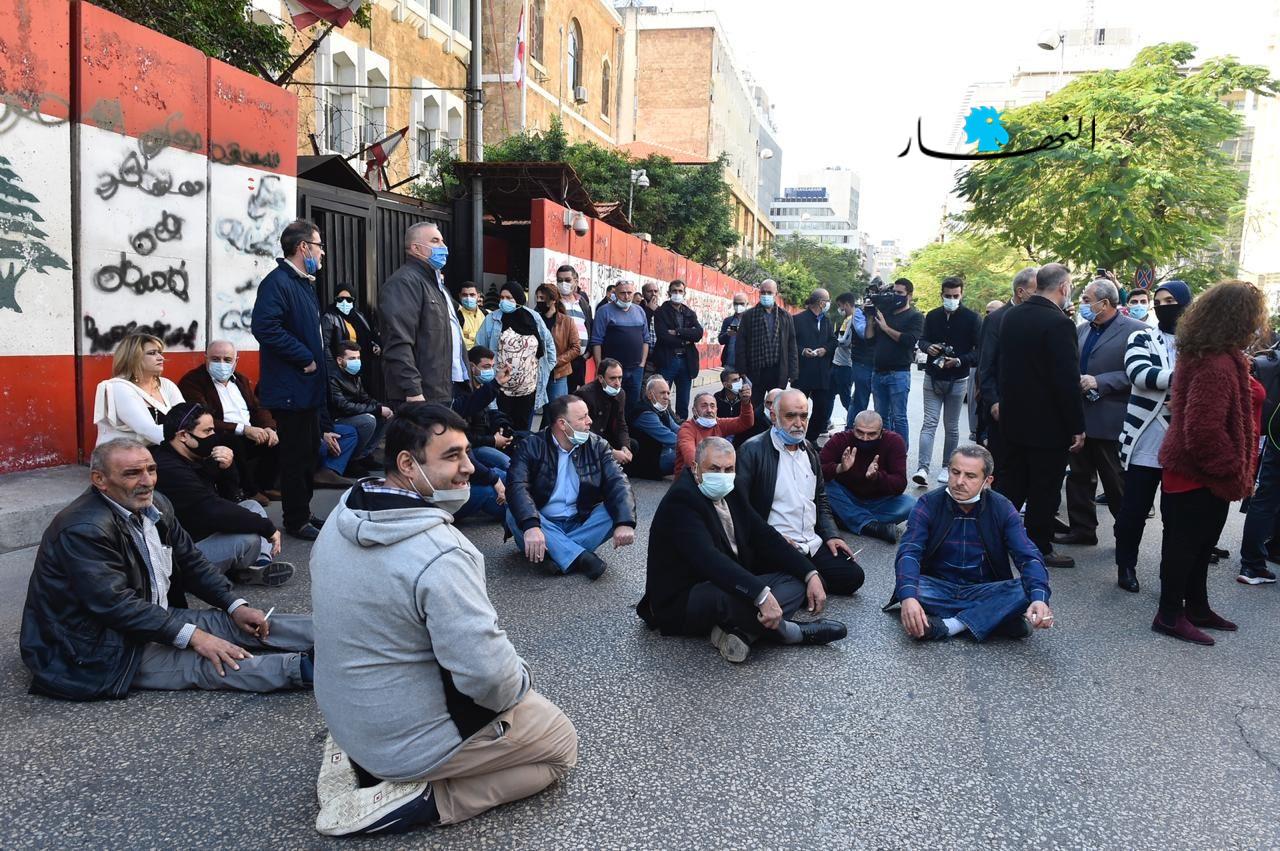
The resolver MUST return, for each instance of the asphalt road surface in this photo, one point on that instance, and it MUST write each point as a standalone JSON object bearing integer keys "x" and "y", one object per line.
{"x": 1097, "y": 733}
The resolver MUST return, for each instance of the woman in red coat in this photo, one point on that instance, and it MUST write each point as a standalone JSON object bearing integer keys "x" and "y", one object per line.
{"x": 1209, "y": 452}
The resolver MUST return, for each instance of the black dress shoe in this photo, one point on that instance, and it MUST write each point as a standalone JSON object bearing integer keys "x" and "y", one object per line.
{"x": 1076, "y": 538}
{"x": 316, "y": 521}
{"x": 884, "y": 531}
{"x": 306, "y": 532}
{"x": 822, "y": 631}
{"x": 589, "y": 565}
{"x": 1058, "y": 560}
{"x": 1059, "y": 526}
{"x": 935, "y": 630}
{"x": 1127, "y": 578}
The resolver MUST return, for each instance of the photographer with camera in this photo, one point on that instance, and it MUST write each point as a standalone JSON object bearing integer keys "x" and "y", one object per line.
{"x": 895, "y": 326}
{"x": 950, "y": 341}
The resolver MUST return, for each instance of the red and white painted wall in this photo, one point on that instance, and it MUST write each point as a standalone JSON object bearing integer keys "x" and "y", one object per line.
{"x": 604, "y": 255}
{"x": 143, "y": 186}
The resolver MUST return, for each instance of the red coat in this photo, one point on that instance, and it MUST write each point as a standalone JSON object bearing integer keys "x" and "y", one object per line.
{"x": 1213, "y": 433}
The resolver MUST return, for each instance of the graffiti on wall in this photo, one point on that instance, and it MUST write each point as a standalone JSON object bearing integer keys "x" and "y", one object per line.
{"x": 237, "y": 317}
{"x": 265, "y": 217}
{"x": 16, "y": 107}
{"x": 23, "y": 242}
{"x": 104, "y": 342}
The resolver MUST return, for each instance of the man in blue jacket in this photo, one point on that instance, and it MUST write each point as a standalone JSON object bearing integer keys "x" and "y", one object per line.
{"x": 286, "y": 324}
{"x": 953, "y": 569}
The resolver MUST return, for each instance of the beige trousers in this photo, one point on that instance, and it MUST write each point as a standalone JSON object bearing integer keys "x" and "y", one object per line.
{"x": 523, "y": 751}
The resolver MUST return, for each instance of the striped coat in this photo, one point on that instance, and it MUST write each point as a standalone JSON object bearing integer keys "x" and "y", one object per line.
{"x": 1147, "y": 363}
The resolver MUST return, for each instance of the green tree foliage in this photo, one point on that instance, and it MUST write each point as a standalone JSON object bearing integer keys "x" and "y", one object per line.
{"x": 800, "y": 266}
{"x": 219, "y": 28}
{"x": 986, "y": 265}
{"x": 1156, "y": 189}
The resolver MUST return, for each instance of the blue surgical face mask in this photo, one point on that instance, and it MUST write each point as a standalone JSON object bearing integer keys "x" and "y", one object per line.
{"x": 507, "y": 306}
{"x": 1138, "y": 311}
{"x": 787, "y": 437}
{"x": 345, "y": 307}
{"x": 311, "y": 265}
{"x": 439, "y": 257}
{"x": 469, "y": 302}
{"x": 353, "y": 366}
{"x": 736, "y": 387}
{"x": 221, "y": 372}
{"x": 705, "y": 422}
{"x": 766, "y": 299}
{"x": 950, "y": 304}
{"x": 487, "y": 375}
{"x": 716, "y": 485}
{"x": 612, "y": 391}
{"x": 1086, "y": 312}
{"x": 577, "y": 438}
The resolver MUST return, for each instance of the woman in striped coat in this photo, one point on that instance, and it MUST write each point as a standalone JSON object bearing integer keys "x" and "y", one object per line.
{"x": 1148, "y": 361}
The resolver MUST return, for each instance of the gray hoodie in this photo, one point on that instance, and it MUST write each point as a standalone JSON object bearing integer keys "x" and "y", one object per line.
{"x": 410, "y": 660}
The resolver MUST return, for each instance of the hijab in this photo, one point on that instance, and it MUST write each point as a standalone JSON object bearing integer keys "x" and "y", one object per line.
{"x": 521, "y": 320}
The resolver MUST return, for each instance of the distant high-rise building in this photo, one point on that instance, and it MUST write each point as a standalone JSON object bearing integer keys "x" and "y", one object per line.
{"x": 823, "y": 207}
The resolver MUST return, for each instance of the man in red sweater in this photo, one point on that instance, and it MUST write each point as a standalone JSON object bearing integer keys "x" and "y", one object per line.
{"x": 704, "y": 424}
{"x": 865, "y": 469}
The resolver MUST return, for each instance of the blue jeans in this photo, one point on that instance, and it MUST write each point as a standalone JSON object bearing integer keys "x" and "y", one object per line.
{"x": 677, "y": 374}
{"x": 854, "y": 514}
{"x": 566, "y": 537}
{"x": 948, "y": 403}
{"x": 484, "y": 498}
{"x": 557, "y": 387}
{"x": 632, "y": 382}
{"x": 348, "y": 437}
{"x": 862, "y": 375}
{"x": 1262, "y": 521}
{"x": 369, "y": 429}
{"x": 981, "y": 607}
{"x": 891, "y": 390}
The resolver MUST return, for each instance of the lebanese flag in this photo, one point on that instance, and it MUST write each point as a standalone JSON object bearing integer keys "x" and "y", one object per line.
{"x": 517, "y": 72}
{"x": 379, "y": 152}
{"x": 307, "y": 12}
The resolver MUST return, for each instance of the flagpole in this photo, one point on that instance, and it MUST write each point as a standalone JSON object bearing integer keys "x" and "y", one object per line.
{"x": 524, "y": 75}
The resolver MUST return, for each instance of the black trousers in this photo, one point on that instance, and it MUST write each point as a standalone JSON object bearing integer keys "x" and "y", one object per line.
{"x": 256, "y": 463}
{"x": 578, "y": 373}
{"x": 820, "y": 417}
{"x": 840, "y": 574}
{"x": 1140, "y": 487}
{"x": 1033, "y": 477}
{"x": 1192, "y": 523}
{"x": 997, "y": 446}
{"x": 1099, "y": 459}
{"x": 299, "y": 454}
{"x": 519, "y": 409}
{"x": 762, "y": 381}
{"x": 709, "y": 606}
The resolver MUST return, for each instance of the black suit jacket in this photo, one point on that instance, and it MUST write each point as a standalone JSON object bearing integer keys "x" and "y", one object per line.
{"x": 197, "y": 386}
{"x": 815, "y": 373}
{"x": 757, "y": 478}
{"x": 1039, "y": 369}
{"x": 989, "y": 358}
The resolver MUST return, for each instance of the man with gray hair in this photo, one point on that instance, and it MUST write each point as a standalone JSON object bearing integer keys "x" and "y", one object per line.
{"x": 106, "y": 607}
{"x": 1105, "y": 386}
{"x": 424, "y": 357}
{"x": 704, "y": 423}
{"x": 717, "y": 568}
{"x": 953, "y": 565}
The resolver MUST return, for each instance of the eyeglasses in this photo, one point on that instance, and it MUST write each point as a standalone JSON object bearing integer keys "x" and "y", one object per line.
{"x": 319, "y": 245}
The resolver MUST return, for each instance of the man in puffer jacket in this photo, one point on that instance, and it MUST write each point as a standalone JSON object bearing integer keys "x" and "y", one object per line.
{"x": 431, "y": 716}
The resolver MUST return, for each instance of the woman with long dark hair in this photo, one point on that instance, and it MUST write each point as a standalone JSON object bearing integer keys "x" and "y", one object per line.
{"x": 1209, "y": 451}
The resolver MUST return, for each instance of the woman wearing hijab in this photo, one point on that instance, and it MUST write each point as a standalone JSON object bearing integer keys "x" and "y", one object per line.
{"x": 564, "y": 332}
{"x": 519, "y": 339}
{"x": 344, "y": 321}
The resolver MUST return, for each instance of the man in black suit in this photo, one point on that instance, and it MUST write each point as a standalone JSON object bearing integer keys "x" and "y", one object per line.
{"x": 1024, "y": 286}
{"x": 816, "y": 342}
{"x": 715, "y": 567}
{"x": 1041, "y": 411}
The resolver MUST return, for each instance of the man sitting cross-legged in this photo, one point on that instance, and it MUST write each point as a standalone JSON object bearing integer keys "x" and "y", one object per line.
{"x": 953, "y": 562}
{"x": 106, "y": 608}
{"x": 566, "y": 494}
{"x": 866, "y": 473}
{"x": 781, "y": 477}
{"x": 716, "y": 567}
{"x": 431, "y": 716}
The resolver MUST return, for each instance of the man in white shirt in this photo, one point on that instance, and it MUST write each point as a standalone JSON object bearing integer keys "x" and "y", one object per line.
{"x": 781, "y": 476}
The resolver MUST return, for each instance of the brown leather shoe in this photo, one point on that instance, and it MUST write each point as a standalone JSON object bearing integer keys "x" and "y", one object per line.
{"x": 1209, "y": 619}
{"x": 1058, "y": 560}
{"x": 1181, "y": 629}
{"x": 326, "y": 478}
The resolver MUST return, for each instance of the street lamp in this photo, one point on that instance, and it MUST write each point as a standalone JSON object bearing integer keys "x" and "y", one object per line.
{"x": 1050, "y": 40}
{"x": 638, "y": 178}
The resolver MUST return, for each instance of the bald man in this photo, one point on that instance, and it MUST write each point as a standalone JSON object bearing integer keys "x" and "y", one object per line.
{"x": 866, "y": 473}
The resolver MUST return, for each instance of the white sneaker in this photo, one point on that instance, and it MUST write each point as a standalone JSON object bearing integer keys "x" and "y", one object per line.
{"x": 942, "y": 476}
{"x": 731, "y": 645}
{"x": 359, "y": 809}
{"x": 921, "y": 477}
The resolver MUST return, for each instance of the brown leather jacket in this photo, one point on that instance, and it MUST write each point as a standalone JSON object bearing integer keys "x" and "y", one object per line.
{"x": 568, "y": 345}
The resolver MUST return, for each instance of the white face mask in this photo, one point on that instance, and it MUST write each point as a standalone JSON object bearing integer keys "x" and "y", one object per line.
{"x": 677, "y": 298}
{"x": 969, "y": 501}
{"x": 450, "y": 500}
{"x": 565, "y": 287}
{"x": 739, "y": 308}
{"x": 950, "y": 304}
{"x": 705, "y": 422}
{"x": 659, "y": 406}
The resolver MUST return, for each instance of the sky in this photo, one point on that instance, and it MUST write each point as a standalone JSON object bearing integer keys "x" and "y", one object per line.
{"x": 849, "y": 78}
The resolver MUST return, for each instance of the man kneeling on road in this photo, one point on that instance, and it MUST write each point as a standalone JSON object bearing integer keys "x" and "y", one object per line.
{"x": 431, "y": 716}
{"x": 953, "y": 563}
{"x": 716, "y": 567}
{"x": 781, "y": 477}
{"x": 106, "y": 608}
{"x": 566, "y": 493}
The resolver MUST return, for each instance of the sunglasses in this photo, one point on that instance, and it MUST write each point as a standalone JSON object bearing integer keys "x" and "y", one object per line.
{"x": 346, "y": 301}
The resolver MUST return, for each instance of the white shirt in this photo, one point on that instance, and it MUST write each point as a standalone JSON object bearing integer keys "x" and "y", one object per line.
{"x": 234, "y": 408}
{"x": 1146, "y": 450}
{"x": 794, "y": 513}
{"x": 460, "y": 370}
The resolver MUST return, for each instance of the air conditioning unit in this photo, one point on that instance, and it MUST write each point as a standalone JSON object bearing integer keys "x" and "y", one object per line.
{"x": 579, "y": 94}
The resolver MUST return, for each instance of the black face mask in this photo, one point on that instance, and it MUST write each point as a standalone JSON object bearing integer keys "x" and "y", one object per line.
{"x": 1167, "y": 316}
{"x": 865, "y": 445}
{"x": 204, "y": 445}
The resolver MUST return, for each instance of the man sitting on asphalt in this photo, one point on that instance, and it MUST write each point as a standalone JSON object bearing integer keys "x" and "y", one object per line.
{"x": 729, "y": 399}
{"x": 781, "y": 477}
{"x": 432, "y": 718}
{"x": 953, "y": 563}
{"x": 191, "y": 472}
{"x": 866, "y": 473}
{"x": 656, "y": 430}
{"x": 106, "y": 605}
{"x": 607, "y": 406}
{"x": 244, "y": 426}
{"x": 704, "y": 423}
{"x": 488, "y": 429}
{"x": 351, "y": 406}
{"x": 566, "y": 494}
{"x": 716, "y": 567}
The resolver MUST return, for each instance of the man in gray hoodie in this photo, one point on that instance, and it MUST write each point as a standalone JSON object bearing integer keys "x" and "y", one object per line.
{"x": 431, "y": 716}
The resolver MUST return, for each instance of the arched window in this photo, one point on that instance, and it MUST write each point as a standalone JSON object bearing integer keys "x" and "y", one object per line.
{"x": 605, "y": 89}
{"x": 575, "y": 53}
{"x": 537, "y": 10}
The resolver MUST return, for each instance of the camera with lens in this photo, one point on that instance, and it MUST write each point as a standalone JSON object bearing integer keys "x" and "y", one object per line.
{"x": 947, "y": 351}
{"x": 879, "y": 296}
